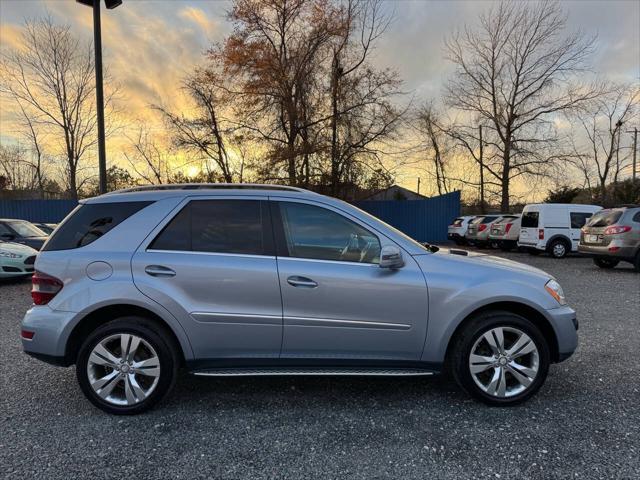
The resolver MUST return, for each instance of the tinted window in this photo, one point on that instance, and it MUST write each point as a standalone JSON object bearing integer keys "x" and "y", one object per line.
{"x": 457, "y": 222}
{"x": 530, "y": 220}
{"x": 318, "y": 233}
{"x": 488, "y": 219}
{"x": 578, "y": 219}
{"x": 89, "y": 222}
{"x": 217, "y": 226}
{"x": 604, "y": 218}
{"x": 476, "y": 220}
{"x": 636, "y": 217}
{"x": 4, "y": 230}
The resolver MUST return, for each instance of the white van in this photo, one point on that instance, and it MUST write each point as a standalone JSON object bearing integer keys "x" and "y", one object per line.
{"x": 553, "y": 227}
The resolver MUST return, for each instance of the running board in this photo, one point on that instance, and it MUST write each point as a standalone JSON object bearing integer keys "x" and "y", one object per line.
{"x": 287, "y": 371}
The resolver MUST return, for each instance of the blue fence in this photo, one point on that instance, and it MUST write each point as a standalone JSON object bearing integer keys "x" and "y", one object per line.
{"x": 43, "y": 211}
{"x": 423, "y": 220}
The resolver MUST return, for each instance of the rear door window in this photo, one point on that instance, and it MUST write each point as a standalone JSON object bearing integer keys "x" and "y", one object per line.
{"x": 530, "y": 219}
{"x": 88, "y": 222}
{"x": 578, "y": 219}
{"x": 488, "y": 219}
{"x": 219, "y": 226}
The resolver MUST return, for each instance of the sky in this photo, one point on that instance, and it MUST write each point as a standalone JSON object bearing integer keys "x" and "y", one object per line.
{"x": 150, "y": 45}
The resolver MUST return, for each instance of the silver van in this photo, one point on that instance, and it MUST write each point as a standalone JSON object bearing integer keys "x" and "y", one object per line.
{"x": 264, "y": 280}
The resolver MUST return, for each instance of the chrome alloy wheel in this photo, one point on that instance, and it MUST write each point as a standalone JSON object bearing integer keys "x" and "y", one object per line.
{"x": 559, "y": 250}
{"x": 504, "y": 362}
{"x": 123, "y": 369}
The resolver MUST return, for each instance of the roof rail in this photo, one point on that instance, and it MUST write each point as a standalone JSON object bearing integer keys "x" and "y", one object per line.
{"x": 209, "y": 186}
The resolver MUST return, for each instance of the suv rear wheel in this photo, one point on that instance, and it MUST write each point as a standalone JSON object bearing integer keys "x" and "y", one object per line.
{"x": 127, "y": 366}
{"x": 500, "y": 358}
{"x": 604, "y": 262}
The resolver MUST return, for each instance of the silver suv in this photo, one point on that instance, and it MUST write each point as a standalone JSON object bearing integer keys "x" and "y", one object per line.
{"x": 265, "y": 280}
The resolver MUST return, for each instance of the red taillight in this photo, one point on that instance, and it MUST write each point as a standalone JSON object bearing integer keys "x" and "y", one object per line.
{"x": 44, "y": 287}
{"x": 541, "y": 234}
{"x": 26, "y": 334}
{"x": 616, "y": 229}
{"x": 507, "y": 227}
{"x": 482, "y": 227}
{"x": 613, "y": 249}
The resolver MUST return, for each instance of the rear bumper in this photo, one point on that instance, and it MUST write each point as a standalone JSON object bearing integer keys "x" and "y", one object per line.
{"x": 51, "y": 329}
{"x": 603, "y": 251}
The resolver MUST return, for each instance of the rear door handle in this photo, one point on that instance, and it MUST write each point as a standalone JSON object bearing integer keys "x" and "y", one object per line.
{"x": 159, "y": 271}
{"x": 304, "y": 282}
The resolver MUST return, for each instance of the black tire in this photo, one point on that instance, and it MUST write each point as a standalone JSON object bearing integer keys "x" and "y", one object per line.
{"x": 636, "y": 263}
{"x": 559, "y": 248}
{"x": 534, "y": 251}
{"x": 494, "y": 244}
{"x": 460, "y": 350}
{"x": 604, "y": 262}
{"x": 156, "y": 337}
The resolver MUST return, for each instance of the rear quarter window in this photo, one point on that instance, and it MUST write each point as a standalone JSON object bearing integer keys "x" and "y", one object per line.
{"x": 604, "y": 218}
{"x": 88, "y": 222}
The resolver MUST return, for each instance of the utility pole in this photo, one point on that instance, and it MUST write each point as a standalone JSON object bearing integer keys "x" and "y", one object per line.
{"x": 482, "y": 209}
{"x": 635, "y": 151}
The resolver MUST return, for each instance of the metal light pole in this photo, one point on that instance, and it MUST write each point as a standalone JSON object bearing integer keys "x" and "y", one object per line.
{"x": 97, "y": 43}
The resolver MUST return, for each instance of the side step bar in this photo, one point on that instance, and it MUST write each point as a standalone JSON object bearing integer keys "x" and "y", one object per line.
{"x": 287, "y": 371}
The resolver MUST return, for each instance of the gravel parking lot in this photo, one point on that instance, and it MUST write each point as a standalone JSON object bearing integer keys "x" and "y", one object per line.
{"x": 584, "y": 423}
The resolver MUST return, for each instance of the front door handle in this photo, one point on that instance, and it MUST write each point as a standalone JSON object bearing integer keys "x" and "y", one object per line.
{"x": 303, "y": 282}
{"x": 159, "y": 271}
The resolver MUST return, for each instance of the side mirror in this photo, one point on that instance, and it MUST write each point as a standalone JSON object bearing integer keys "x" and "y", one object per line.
{"x": 391, "y": 257}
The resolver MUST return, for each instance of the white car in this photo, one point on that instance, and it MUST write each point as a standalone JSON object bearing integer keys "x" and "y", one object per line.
{"x": 16, "y": 260}
{"x": 457, "y": 230}
{"x": 505, "y": 232}
{"x": 553, "y": 227}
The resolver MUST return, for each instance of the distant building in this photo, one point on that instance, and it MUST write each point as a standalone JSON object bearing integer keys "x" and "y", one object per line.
{"x": 395, "y": 192}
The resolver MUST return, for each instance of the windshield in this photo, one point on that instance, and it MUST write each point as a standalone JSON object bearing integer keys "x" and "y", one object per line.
{"x": 604, "y": 218}
{"x": 25, "y": 229}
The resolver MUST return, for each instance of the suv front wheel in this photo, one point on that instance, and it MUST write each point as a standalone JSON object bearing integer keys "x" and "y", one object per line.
{"x": 500, "y": 358}
{"x": 126, "y": 366}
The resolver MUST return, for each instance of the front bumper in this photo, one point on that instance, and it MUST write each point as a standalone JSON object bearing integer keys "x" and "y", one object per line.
{"x": 565, "y": 325}
{"x": 51, "y": 329}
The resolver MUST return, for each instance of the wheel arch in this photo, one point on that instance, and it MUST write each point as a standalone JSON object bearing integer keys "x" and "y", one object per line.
{"x": 562, "y": 237}
{"x": 94, "y": 319}
{"x": 526, "y": 311}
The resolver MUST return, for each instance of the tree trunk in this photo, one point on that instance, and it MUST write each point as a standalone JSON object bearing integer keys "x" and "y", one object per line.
{"x": 335, "y": 166}
{"x": 506, "y": 172}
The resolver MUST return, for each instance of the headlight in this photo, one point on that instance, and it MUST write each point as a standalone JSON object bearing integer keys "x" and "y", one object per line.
{"x": 10, "y": 255}
{"x": 555, "y": 290}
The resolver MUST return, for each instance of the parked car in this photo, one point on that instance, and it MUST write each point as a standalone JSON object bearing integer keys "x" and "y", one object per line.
{"x": 47, "y": 228}
{"x": 478, "y": 230}
{"x": 505, "y": 231}
{"x": 612, "y": 236}
{"x": 267, "y": 280}
{"x": 16, "y": 260}
{"x": 458, "y": 228}
{"x": 553, "y": 227}
{"x": 21, "y": 231}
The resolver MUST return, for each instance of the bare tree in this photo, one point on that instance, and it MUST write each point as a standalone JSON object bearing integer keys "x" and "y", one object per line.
{"x": 51, "y": 74}
{"x": 16, "y": 168}
{"x": 436, "y": 144}
{"x": 516, "y": 71}
{"x": 204, "y": 134}
{"x": 601, "y": 123}
{"x": 148, "y": 160}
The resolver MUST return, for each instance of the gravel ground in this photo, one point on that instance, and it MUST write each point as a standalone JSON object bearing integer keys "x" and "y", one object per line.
{"x": 584, "y": 423}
